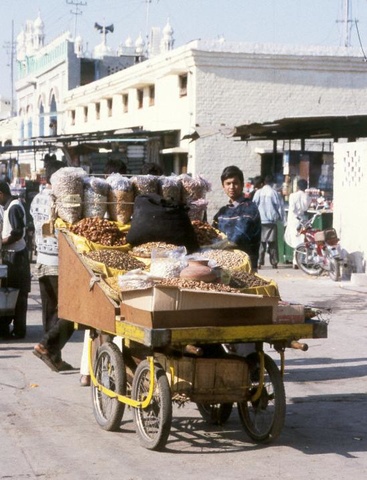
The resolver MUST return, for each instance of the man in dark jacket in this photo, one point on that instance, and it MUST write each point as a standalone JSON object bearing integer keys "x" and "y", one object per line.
{"x": 15, "y": 256}
{"x": 240, "y": 218}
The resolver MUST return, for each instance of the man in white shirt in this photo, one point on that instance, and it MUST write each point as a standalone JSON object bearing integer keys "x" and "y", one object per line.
{"x": 271, "y": 208}
{"x": 56, "y": 331}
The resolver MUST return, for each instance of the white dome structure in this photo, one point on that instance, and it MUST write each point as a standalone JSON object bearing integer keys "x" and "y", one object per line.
{"x": 38, "y": 33}
{"x": 167, "y": 39}
{"x": 139, "y": 45}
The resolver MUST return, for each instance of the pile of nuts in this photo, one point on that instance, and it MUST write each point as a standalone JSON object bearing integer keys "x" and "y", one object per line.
{"x": 227, "y": 259}
{"x": 115, "y": 259}
{"x": 99, "y": 230}
{"x": 193, "y": 285}
{"x": 145, "y": 249}
{"x": 242, "y": 279}
{"x": 205, "y": 233}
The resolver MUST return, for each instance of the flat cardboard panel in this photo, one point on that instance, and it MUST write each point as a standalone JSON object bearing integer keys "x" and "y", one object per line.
{"x": 78, "y": 300}
{"x": 190, "y": 299}
{"x": 210, "y": 317}
{"x": 290, "y": 314}
{"x": 170, "y": 307}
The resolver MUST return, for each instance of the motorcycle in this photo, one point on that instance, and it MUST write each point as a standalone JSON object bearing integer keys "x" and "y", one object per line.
{"x": 320, "y": 250}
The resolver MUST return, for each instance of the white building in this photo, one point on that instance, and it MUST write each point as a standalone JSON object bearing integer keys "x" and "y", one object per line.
{"x": 213, "y": 85}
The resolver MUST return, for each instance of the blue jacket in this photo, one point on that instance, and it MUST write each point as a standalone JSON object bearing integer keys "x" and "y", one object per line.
{"x": 242, "y": 224}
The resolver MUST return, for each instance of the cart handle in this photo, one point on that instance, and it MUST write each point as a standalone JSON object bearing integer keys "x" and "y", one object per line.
{"x": 123, "y": 398}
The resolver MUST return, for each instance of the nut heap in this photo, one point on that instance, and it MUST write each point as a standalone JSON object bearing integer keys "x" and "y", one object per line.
{"x": 193, "y": 285}
{"x": 114, "y": 259}
{"x": 205, "y": 233}
{"x": 145, "y": 249}
{"x": 99, "y": 230}
{"x": 242, "y": 279}
{"x": 227, "y": 259}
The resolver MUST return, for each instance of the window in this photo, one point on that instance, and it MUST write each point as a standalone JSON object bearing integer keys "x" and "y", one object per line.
{"x": 109, "y": 107}
{"x": 151, "y": 95}
{"x": 72, "y": 117}
{"x": 125, "y": 103}
{"x": 85, "y": 110}
{"x": 98, "y": 110}
{"x": 140, "y": 96}
{"x": 182, "y": 82}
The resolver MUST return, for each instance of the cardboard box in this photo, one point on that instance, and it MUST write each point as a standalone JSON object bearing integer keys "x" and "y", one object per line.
{"x": 171, "y": 307}
{"x": 289, "y": 313}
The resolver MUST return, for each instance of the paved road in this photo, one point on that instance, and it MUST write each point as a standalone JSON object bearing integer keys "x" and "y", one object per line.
{"x": 48, "y": 431}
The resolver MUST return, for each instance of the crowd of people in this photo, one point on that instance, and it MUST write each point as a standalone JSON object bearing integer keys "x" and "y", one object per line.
{"x": 249, "y": 220}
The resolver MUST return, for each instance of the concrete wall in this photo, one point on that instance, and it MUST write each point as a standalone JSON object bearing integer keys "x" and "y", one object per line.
{"x": 350, "y": 187}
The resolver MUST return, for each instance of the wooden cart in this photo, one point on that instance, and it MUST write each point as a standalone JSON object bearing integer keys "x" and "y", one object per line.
{"x": 179, "y": 354}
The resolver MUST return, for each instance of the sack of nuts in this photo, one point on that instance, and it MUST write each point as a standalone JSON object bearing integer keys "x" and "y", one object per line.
{"x": 120, "y": 198}
{"x": 67, "y": 186}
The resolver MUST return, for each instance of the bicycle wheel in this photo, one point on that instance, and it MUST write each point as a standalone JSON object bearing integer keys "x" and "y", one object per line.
{"x": 305, "y": 258}
{"x": 263, "y": 419}
{"x": 215, "y": 413}
{"x": 153, "y": 423}
{"x": 109, "y": 370}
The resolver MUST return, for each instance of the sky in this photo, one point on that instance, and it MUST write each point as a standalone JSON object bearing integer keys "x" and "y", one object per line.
{"x": 294, "y": 22}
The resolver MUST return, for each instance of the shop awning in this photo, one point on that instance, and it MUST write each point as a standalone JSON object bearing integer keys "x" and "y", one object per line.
{"x": 291, "y": 128}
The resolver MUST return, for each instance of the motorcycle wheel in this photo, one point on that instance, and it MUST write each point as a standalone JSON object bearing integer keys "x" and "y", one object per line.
{"x": 334, "y": 269}
{"x": 305, "y": 260}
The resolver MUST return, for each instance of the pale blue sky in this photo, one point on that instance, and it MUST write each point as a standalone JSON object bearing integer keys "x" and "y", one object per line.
{"x": 297, "y": 22}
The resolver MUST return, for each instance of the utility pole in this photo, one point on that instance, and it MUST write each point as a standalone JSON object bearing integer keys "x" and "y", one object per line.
{"x": 347, "y": 23}
{"x": 77, "y": 11}
{"x": 10, "y": 49}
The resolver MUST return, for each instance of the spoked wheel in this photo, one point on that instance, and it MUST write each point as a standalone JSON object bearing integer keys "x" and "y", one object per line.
{"x": 305, "y": 258}
{"x": 263, "y": 418}
{"x": 109, "y": 370}
{"x": 153, "y": 423}
{"x": 215, "y": 413}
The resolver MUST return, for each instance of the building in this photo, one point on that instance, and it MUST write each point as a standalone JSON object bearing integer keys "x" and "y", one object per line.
{"x": 207, "y": 86}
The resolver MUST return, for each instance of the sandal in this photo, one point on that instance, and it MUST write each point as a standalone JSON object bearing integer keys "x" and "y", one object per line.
{"x": 41, "y": 352}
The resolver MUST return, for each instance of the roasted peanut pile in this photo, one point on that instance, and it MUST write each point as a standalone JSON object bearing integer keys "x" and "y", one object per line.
{"x": 227, "y": 259}
{"x": 246, "y": 280}
{"x": 205, "y": 233}
{"x": 99, "y": 230}
{"x": 145, "y": 249}
{"x": 193, "y": 285}
{"x": 113, "y": 259}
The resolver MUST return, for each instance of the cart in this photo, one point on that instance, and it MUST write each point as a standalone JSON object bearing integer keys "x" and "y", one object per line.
{"x": 178, "y": 355}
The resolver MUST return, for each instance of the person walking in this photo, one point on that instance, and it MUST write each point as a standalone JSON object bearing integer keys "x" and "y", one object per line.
{"x": 271, "y": 208}
{"x": 15, "y": 256}
{"x": 240, "y": 218}
{"x": 57, "y": 331}
{"x": 299, "y": 203}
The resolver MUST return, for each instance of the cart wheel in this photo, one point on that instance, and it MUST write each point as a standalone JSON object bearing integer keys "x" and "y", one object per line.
{"x": 153, "y": 424}
{"x": 215, "y": 413}
{"x": 109, "y": 370}
{"x": 263, "y": 419}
